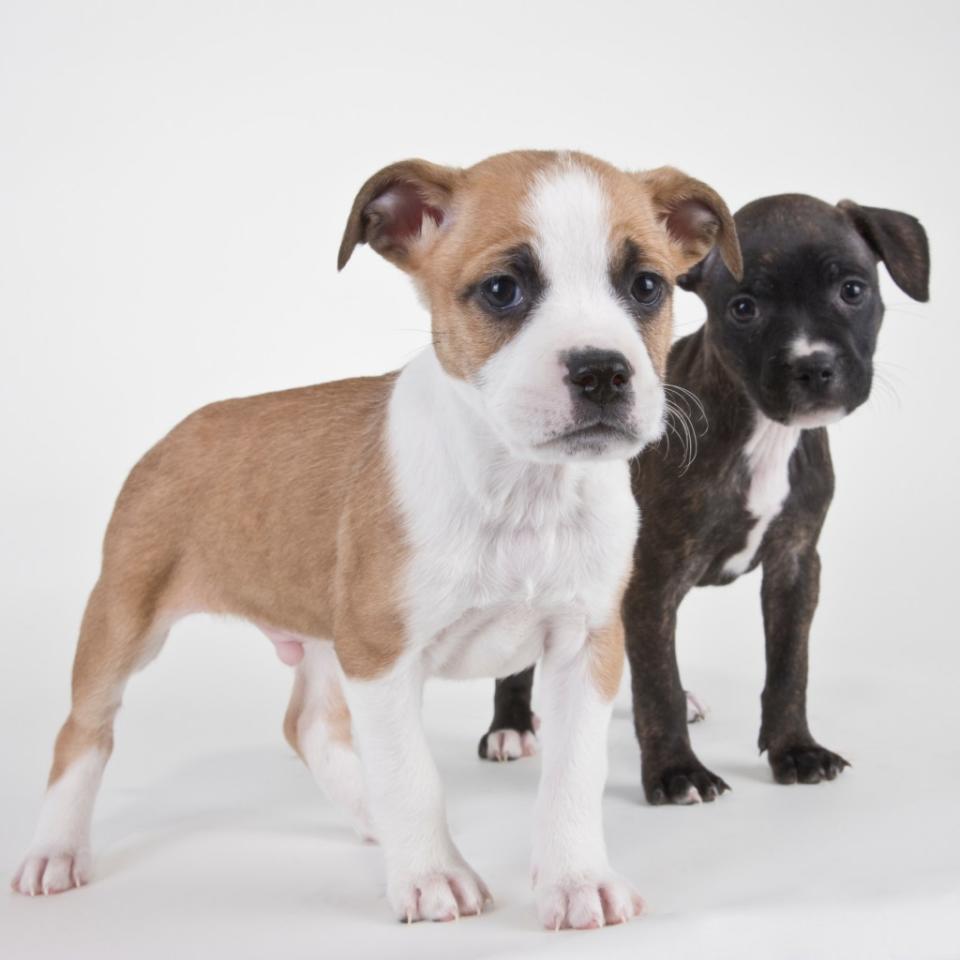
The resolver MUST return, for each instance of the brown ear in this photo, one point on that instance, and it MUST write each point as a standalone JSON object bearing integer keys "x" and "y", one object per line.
{"x": 695, "y": 216}
{"x": 899, "y": 241}
{"x": 398, "y": 208}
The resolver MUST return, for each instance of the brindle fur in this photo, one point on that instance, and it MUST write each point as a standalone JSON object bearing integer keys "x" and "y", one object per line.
{"x": 695, "y": 516}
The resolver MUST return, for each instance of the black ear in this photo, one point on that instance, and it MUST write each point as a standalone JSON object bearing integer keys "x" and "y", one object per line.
{"x": 900, "y": 241}
{"x": 692, "y": 278}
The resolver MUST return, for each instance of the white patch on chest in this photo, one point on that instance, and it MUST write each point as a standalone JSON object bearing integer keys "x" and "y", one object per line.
{"x": 506, "y": 555}
{"x": 768, "y": 453}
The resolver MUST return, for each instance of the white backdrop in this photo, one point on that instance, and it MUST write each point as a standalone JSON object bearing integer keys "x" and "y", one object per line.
{"x": 174, "y": 179}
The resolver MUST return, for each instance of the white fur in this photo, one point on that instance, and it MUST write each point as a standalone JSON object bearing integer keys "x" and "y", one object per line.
{"x": 427, "y": 877}
{"x": 516, "y": 552}
{"x": 334, "y": 764}
{"x": 503, "y": 551}
{"x": 803, "y": 347}
{"x": 768, "y": 453}
{"x": 510, "y": 560}
{"x": 573, "y": 881}
{"x": 523, "y": 389}
{"x": 822, "y": 418}
{"x": 510, "y": 744}
{"x": 59, "y": 855}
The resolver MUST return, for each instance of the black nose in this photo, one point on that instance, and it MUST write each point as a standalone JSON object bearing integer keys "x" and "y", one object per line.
{"x": 601, "y": 376}
{"x": 815, "y": 371}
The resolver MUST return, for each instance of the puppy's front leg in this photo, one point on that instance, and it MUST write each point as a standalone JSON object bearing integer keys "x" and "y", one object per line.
{"x": 791, "y": 586}
{"x": 427, "y": 878}
{"x": 670, "y": 770}
{"x": 574, "y": 884}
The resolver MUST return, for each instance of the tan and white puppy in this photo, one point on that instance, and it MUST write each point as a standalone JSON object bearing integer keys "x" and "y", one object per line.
{"x": 464, "y": 516}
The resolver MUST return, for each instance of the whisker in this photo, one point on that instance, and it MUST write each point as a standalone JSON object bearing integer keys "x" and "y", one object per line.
{"x": 896, "y": 308}
{"x": 888, "y": 388}
{"x": 682, "y": 426}
{"x": 683, "y": 408}
{"x": 434, "y": 342}
{"x": 689, "y": 397}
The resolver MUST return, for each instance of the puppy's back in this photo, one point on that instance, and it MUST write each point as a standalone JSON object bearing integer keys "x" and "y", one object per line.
{"x": 200, "y": 510}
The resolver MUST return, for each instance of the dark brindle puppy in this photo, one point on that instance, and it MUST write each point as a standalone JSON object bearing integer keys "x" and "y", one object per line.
{"x": 782, "y": 354}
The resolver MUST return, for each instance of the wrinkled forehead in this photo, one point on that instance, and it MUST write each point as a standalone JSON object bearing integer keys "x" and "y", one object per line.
{"x": 790, "y": 263}
{"x": 576, "y": 216}
{"x": 796, "y": 231}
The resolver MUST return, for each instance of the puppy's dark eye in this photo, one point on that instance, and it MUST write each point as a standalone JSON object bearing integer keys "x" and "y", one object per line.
{"x": 647, "y": 288}
{"x": 852, "y": 291}
{"x": 744, "y": 309}
{"x": 501, "y": 293}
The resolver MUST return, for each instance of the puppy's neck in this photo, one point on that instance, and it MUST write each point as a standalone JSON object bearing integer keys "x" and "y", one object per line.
{"x": 698, "y": 366}
{"x": 438, "y": 428}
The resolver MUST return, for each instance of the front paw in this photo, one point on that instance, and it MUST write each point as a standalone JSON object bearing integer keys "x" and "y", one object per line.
{"x": 44, "y": 872}
{"x": 805, "y": 763}
{"x": 682, "y": 781}
{"x": 586, "y": 901}
{"x": 442, "y": 894}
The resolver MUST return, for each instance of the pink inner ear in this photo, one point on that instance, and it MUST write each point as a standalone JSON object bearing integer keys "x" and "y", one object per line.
{"x": 401, "y": 210}
{"x": 692, "y": 221}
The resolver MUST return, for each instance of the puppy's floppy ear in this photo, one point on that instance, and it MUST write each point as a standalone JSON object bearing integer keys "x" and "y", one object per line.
{"x": 398, "y": 210}
{"x": 899, "y": 241}
{"x": 691, "y": 279}
{"x": 695, "y": 216}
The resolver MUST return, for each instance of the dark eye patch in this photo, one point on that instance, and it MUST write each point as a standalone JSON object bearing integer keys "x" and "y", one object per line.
{"x": 520, "y": 264}
{"x": 634, "y": 279}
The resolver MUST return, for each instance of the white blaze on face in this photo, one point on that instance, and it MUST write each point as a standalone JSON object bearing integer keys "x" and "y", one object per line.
{"x": 804, "y": 347}
{"x": 525, "y": 383}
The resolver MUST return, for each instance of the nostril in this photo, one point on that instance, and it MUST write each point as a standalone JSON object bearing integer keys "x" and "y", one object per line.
{"x": 586, "y": 379}
{"x": 600, "y": 376}
{"x": 817, "y": 371}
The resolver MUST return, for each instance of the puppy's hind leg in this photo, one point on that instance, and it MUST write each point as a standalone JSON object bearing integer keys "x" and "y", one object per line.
{"x": 513, "y": 731}
{"x": 317, "y": 726}
{"x": 119, "y": 634}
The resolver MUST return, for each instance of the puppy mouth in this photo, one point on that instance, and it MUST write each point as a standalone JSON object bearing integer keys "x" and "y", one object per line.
{"x": 597, "y": 434}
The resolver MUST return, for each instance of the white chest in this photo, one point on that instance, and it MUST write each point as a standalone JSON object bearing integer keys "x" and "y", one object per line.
{"x": 491, "y": 581}
{"x": 767, "y": 454}
{"x": 504, "y": 555}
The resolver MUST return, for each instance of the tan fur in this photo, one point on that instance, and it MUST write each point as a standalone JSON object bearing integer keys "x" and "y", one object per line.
{"x": 335, "y": 714}
{"x": 479, "y": 207}
{"x": 294, "y": 710}
{"x": 435, "y": 183}
{"x": 607, "y": 648}
{"x": 279, "y": 508}
{"x": 252, "y": 507}
{"x": 695, "y": 216}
